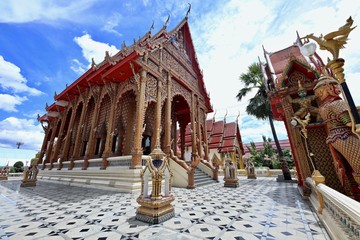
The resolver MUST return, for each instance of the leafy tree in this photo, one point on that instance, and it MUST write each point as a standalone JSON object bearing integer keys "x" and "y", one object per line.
{"x": 19, "y": 166}
{"x": 256, "y": 157}
{"x": 259, "y": 106}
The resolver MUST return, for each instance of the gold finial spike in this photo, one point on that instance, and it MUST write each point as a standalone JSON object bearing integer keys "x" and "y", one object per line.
{"x": 167, "y": 21}
{"x": 152, "y": 26}
{"x": 93, "y": 64}
{"x": 188, "y": 11}
{"x": 300, "y": 86}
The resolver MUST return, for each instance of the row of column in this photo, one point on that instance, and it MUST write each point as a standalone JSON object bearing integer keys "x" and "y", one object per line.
{"x": 137, "y": 152}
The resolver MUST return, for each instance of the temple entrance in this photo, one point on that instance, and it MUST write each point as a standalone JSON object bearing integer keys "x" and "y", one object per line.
{"x": 180, "y": 118}
{"x": 146, "y": 144}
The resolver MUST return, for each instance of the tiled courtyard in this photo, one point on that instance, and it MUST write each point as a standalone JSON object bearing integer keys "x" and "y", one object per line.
{"x": 258, "y": 209}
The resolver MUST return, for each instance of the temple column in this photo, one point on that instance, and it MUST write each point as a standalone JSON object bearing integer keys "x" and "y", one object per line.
{"x": 139, "y": 121}
{"x": 79, "y": 136}
{"x": 168, "y": 118}
{"x": 68, "y": 139}
{"x": 59, "y": 140}
{"x": 193, "y": 128}
{"x": 50, "y": 144}
{"x": 174, "y": 133}
{"x": 44, "y": 144}
{"x": 206, "y": 147}
{"x": 90, "y": 150}
{"x": 110, "y": 128}
{"x": 194, "y": 156}
{"x": 198, "y": 126}
{"x": 158, "y": 114}
{"x": 182, "y": 139}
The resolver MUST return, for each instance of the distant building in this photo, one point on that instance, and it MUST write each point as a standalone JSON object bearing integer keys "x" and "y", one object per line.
{"x": 284, "y": 144}
{"x": 223, "y": 139}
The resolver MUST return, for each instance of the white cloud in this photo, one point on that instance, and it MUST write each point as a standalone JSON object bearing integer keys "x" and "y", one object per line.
{"x": 11, "y": 79}
{"x": 8, "y": 102}
{"x": 77, "y": 66}
{"x": 93, "y": 49}
{"x": 230, "y": 38}
{"x": 111, "y": 23}
{"x": 13, "y": 130}
{"x": 45, "y": 11}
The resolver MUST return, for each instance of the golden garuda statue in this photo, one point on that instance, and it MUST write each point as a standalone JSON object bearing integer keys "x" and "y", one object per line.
{"x": 333, "y": 41}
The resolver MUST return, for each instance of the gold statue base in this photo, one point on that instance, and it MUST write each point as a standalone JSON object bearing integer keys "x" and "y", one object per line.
{"x": 3, "y": 178}
{"x": 231, "y": 183}
{"x": 28, "y": 183}
{"x": 155, "y": 211}
{"x": 251, "y": 176}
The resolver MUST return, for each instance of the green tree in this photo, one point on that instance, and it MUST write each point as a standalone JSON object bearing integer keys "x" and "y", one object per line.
{"x": 259, "y": 106}
{"x": 19, "y": 166}
{"x": 256, "y": 156}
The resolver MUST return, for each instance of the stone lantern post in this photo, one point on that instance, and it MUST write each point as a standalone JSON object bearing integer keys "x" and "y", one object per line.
{"x": 155, "y": 199}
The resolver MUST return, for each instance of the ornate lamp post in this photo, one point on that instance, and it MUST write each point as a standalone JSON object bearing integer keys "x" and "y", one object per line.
{"x": 333, "y": 42}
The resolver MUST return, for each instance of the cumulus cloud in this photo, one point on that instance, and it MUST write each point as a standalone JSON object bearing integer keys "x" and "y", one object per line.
{"x": 11, "y": 79}
{"x": 93, "y": 49}
{"x": 13, "y": 130}
{"x": 8, "y": 102}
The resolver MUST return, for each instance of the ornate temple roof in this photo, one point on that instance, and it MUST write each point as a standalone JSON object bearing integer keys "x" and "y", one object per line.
{"x": 117, "y": 68}
{"x": 282, "y": 71}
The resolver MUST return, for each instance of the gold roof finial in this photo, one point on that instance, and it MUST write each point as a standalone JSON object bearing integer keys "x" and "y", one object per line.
{"x": 300, "y": 86}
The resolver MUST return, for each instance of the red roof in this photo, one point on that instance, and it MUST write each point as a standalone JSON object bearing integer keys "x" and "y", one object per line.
{"x": 284, "y": 144}
{"x": 221, "y": 135}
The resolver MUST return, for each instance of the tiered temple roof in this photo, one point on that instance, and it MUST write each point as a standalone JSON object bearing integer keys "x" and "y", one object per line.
{"x": 223, "y": 136}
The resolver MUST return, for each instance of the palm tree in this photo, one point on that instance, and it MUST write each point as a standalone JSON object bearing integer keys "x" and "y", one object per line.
{"x": 259, "y": 106}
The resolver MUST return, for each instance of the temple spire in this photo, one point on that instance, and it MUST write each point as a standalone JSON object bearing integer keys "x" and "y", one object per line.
{"x": 188, "y": 11}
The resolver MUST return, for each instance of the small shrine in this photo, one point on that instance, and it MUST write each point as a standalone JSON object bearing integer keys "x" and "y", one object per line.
{"x": 230, "y": 174}
{"x": 250, "y": 170}
{"x": 5, "y": 172}
{"x": 30, "y": 173}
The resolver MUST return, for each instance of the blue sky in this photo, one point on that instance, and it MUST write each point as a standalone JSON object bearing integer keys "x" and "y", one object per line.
{"x": 46, "y": 44}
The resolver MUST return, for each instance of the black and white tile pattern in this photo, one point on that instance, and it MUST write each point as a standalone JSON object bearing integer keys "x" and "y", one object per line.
{"x": 258, "y": 209}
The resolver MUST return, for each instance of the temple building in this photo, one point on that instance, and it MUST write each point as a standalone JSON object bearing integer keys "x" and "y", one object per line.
{"x": 224, "y": 141}
{"x": 102, "y": 127}
{"x": 290, "y": 78}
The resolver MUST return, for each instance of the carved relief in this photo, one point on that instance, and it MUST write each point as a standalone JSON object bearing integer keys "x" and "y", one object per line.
{"x": 295, "y": 77}
{"x": 176, "y": 88}
{"x": 151, "y": 88}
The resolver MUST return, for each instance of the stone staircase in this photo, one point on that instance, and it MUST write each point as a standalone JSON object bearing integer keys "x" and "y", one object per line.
{"x": 202, "y": 178}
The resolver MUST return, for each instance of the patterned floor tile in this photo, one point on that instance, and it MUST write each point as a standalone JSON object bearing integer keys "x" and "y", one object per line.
{"x": 237, "y": 235}
{"x": 258, "y": 209}
{"x": 204, "y": 230}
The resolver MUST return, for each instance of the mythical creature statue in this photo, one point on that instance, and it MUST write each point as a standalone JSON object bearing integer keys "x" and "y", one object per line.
{"x": 304, "y": 102}
{"x": 333, "y": 41}
{"x": 335, "y": 115}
